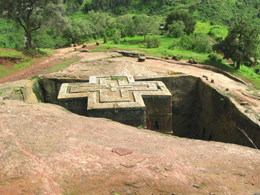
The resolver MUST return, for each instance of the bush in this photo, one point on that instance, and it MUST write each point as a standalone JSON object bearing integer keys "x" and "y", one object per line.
{"x": 214, "y": 57}
{"x": 202, "y": 43}
{"x": 174, "y": 44}
{"x": 117, "y": 37}
{"x": 187, "y": 42}
{"x": 153, "y": 42}
{"x": 211, "y": 33}
{"x": 177, "y": 29}
{"x": 105, "y": 38}
{"x": 256, "y": 69}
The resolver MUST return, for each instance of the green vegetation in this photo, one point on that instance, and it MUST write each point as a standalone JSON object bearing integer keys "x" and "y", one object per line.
{"x": 215, "y": 31}
{"x": 31, "y": 15}
{"x": 153, "y": 41}
{"x": 7, "y": 89}
{"x": 10, "y": 53}
{"x": 25, "y": 59}
{"x": 194, "y": 28}
{"x": 136, "y": 43}
{"x": 240, "y": 45}
{"x": 184, "y": 16}
{"x": 117, "y": 78}
{"x": 63, "y": 64}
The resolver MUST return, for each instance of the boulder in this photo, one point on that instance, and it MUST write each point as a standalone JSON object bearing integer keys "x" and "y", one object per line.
{"x": 178, "y": 58}
{"x": 193, "y": 61}
{"x": 141, "y": 59}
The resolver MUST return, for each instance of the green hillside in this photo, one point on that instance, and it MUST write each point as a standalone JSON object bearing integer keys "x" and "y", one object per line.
{"x": 218, "y": 11}
{"x": 224, "y": 12}
{"x": 146, "y": 25}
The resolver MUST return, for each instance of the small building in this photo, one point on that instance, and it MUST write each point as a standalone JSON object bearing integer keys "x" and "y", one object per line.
{"x": 120, "y": 98}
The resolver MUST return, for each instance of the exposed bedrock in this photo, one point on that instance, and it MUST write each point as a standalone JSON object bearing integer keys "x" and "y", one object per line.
{"x": 199, "y": 111}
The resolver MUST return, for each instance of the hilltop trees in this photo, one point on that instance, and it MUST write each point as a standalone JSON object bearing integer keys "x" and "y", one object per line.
{"x": 33, "y": 14}
{"x": 240, "y": 44}
{"x": 185, "y": 17}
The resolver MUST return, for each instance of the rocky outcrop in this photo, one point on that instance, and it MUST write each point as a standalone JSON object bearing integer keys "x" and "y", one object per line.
{"x": 141, "y": 59}
{"x": 202, "y": 112}
{"x": 45, "y": 149}
{"x": 199, "y": 111}
{"x": 28, "y": 91}
{"x": 130, "y": 53}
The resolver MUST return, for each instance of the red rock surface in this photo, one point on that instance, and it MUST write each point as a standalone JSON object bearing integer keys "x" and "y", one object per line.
{"x": 47, "y": 150}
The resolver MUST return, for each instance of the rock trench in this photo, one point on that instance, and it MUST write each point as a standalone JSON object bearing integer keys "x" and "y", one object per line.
{"x": 199, "y": 111}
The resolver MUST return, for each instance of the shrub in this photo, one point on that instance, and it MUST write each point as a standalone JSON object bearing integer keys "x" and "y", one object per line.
{"x": 214, "y": 57}
{"x": 117, "y": 37}
{"x": 153, "y": 42}
{"x": 105, "y": 38}
{"x": 187, "y": 42}
{"x": 202, "y": 43}
{"x": 177, "y": 29}
{"x": 211, "y": 33}
{"x": 174, "y": 44}
{"x": 257, "y": 69}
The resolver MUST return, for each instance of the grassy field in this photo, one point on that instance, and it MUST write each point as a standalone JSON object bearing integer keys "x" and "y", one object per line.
{"x": 214, "y": 31}
{"x": 5, "y": 52}
{"x": 137, "y": 43}
{"x": 28, "y": 58}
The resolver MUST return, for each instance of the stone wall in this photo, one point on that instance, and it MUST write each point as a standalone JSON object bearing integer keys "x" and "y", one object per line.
{"x": 201, "y": 112}
{"x": 158, "y": 113}
{"x": 50, "y": 88}
{"x": 198, "y": 111}
{"x": 129, "y": 116}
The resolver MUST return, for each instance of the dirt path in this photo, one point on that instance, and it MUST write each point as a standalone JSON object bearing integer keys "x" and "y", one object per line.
{"x": 42, "y": 65}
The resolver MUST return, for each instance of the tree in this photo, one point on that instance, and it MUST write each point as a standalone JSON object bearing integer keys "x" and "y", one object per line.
{"x": 240, "y": 44}
{"x": 176, "y": 28}
{"x": 76, "y": 29}
{"x": 33, "y": 14}
{"x": 100, "y": 23}
{"x": 125, "y": 24}
{"x": 153, "y": 42}
{"x": 146, "y": 24}
{"x": 185, "y": 17}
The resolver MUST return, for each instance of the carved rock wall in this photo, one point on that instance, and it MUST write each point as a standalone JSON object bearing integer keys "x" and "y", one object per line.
{"x": 198, "y": 111}
{"x": 201, "y": 112}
